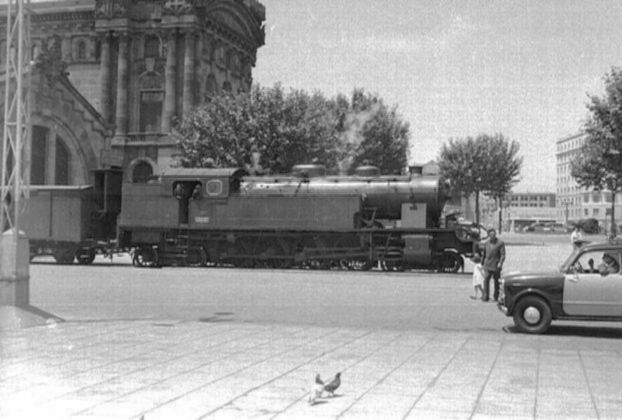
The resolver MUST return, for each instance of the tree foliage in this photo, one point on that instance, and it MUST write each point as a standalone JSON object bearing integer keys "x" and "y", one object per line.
{"x": 270, "y": 130}
{"x": 372, "y": 133}
{"x": 484, "y": 164}
{"x": 599, "y": 165}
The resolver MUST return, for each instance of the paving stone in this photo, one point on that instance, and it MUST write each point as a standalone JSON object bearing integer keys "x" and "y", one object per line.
{"x": 446, "y": 403}
{"x": 610, "y": 414}
{"x": 417, "y": 414}
{"x": 506, "y": 405}
{"x": 380, "y": 405}
{"x": 181, "y": 370}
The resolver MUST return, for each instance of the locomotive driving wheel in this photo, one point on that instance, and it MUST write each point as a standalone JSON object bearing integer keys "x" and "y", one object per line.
{"x": 282, "y": 257}
{"x": 349, "y": 262}
{"x": 316, "y": 244}
{"x": 450, "y": 262}
{"x": 393, "y": 264}
{"x": 197, "y": 257}
{"x": 64, "y": 256}
{"x": 145, "y": 257}
{"x": 253, "y": 252}
{"x": 356, "y": 265}
{"x": 85, "y": 256}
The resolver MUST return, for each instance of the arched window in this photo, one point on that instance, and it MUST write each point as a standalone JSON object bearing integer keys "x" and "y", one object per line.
{"x": 81, "y": 50}
{"x": 38, "y": 155}
{"x": 152, "y": 46}
{"x": 63, "y": 161}
{"x": 142, "y": 172}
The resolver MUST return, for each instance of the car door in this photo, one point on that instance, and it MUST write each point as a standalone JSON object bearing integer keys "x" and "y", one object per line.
{"x": 589, "y": 293}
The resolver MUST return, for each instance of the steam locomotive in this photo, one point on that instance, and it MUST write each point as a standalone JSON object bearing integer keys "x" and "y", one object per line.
{"x": 211, "y": 217}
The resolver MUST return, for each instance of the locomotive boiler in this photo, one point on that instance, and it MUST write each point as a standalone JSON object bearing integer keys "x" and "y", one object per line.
{"x": 306, "y": 219}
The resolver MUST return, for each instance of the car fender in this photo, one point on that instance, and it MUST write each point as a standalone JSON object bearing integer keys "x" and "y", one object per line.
{"x": 529, "y": 292}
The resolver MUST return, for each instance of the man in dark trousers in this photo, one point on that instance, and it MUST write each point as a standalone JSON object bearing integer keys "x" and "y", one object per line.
{"x": 493, "y": 255}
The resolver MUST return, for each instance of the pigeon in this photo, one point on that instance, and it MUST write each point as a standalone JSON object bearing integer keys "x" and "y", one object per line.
{"x": 316, "y": 390}
{"x": 318, "y": 380}
{"x": 332, "y": 386}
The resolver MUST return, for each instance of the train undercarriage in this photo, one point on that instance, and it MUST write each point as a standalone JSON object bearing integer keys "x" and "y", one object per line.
{"x": 390, "y": 250}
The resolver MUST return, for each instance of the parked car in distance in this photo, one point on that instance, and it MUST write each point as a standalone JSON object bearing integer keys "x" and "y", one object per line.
{"x": 587, "y": 287}
{"x": 588, "y": 225}
{"x": 545, "y": 227}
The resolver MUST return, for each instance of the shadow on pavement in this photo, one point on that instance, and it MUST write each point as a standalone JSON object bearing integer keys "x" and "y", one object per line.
{"x": 575, "y": 331}
{"x": 95, "y": 264}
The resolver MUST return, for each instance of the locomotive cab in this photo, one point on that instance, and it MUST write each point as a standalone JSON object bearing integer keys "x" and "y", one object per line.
{"x": 190, "y": 185}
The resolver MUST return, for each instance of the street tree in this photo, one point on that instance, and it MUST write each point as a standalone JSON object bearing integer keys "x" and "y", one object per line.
{"x": 270, "y": 130}
{"x": 460, "y": 163}
{"x": 484, "y": 164}
{"x": 267, "y": 130}
{"x": 599, "y": 165}
{"x": 372, "y": 133}
{"x": 502, "y": 168}
{"x": 225, "y": 121}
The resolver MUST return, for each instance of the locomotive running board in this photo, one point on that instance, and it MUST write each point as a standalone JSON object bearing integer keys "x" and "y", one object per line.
{"x": 330, "y": 254}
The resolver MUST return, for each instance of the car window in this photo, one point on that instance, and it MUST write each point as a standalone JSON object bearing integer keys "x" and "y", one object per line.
{"x": 604, "y": 262}
{"x": 567, "y": 266}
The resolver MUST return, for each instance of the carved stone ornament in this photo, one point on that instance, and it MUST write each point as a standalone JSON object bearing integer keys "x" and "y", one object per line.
{"x": 110, "y": 8}
{"x": 141, "y": 66}
{"x": 159, "y": 66}
{"x": 50, "y": 62}
{"x": 151, "y": 80}
{"x": 178, "y": 7}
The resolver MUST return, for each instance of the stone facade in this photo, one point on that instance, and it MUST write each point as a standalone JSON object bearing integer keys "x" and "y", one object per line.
{"x": 140, "y": 64}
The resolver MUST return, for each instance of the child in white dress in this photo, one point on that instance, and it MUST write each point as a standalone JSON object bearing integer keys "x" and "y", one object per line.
{"x": 478, "y": 278}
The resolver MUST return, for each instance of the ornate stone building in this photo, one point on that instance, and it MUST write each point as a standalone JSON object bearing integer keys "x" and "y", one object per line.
{"x": 133, "y": 67}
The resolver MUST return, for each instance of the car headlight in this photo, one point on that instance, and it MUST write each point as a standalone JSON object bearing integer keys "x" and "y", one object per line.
{"x": 501, "y": 290}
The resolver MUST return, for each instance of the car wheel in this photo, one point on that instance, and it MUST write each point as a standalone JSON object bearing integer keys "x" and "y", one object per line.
{"x": 532, "y": 315}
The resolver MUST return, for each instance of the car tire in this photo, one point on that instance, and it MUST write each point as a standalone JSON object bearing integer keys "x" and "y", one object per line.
{"x": 532, "y": 315}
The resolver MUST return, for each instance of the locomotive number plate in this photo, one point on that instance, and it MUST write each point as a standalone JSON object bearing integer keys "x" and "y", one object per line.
{"x": 201, "y": 219}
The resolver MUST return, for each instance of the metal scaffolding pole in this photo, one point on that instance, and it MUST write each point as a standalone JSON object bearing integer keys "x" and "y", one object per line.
{"x": 15, "y": 169}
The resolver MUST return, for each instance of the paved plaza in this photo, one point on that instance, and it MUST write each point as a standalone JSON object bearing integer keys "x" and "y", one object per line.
{"x": 425, "y": 350}
{"x": 218, "y": 369}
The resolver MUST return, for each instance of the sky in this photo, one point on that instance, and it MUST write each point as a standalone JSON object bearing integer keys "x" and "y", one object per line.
{"x": 454, "y": 68}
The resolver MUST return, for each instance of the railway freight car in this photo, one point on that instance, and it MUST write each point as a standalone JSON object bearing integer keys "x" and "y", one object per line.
{"x": 223, "y": 217}
{"x": 74, "y": 222}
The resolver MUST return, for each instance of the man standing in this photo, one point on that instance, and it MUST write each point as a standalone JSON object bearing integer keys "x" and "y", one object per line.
{"x": 493, "y": 251}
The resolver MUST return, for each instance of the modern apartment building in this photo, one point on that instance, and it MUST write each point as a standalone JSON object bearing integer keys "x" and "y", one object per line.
{"x": 569, "y": 194}
{"x": 525, "y": 208}
{"x": 574, "y": 202}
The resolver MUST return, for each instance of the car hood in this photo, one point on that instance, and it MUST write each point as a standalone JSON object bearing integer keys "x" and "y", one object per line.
{"x": 528, "y": 277}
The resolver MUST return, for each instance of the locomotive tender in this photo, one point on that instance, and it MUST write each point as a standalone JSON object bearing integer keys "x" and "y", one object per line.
{"x": 307, "y": 219}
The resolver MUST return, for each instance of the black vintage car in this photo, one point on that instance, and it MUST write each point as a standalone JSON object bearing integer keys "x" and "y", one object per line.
{"x": 587, "y": 287}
